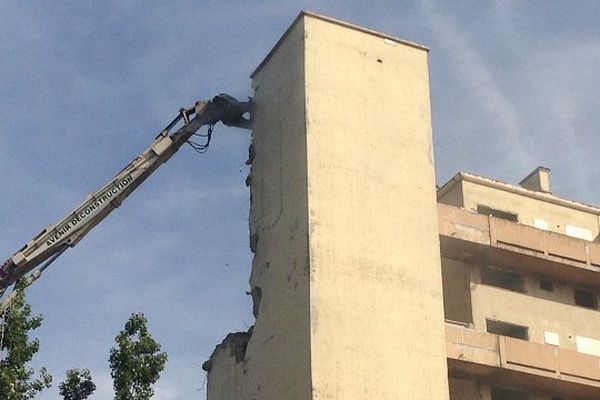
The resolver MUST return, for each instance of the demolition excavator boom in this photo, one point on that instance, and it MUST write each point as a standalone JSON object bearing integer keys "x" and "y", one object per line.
{"x": 49, "y": 244}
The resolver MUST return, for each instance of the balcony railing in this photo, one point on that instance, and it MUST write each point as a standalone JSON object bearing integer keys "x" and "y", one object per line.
{"x": 465, "y": 235}
{"x": 486, "y": 354}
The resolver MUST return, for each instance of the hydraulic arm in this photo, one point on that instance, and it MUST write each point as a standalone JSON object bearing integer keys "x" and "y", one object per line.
{"x": 44, "y": 248}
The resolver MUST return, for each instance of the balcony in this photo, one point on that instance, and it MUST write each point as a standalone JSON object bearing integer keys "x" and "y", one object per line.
{"x": 514, "y": 362}
{"x": 471, "y": 237}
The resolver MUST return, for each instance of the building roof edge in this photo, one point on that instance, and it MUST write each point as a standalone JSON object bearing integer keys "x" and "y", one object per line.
{"x": 304, "y": 13}
{"x": 496, "y": 184}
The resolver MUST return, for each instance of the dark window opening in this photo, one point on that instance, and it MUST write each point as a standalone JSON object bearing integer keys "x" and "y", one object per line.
{"x": 502, "y": 278}
{"x": 546, "y": 284}
{"x": 501, "y": 393}
{"x": 485, "y": 210}
{"x": 586, "y": 298}
{"x": 507, "y": 329}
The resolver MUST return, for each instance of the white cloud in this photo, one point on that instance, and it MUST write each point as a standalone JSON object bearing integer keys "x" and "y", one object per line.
{"x": 474, "y": 73}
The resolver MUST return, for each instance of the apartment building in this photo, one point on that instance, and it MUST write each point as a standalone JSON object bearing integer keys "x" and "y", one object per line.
{"x": 365, "y": 286}
{"x": 520, "y": 280}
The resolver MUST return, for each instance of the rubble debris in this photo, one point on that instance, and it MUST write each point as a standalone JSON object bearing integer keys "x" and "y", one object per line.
{"x": 251, "y": 154}
{"x": 256, "y": 294}
{"x": 236, "y": 342}
{"x": 253, "y": 242}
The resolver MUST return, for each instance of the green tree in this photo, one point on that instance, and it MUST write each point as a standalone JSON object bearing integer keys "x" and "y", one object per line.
{"x": 136, "y": 362}
{"x": 77, "y": 386}
{"x": 17, "y": 350}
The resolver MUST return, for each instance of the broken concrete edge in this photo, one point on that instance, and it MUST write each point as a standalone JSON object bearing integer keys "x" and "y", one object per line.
{"x": 252, "y": 235}
{"x": 236, "y": 342}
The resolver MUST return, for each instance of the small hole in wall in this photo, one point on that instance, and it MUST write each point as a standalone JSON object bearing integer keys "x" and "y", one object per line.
{"x": 380, "y": 61}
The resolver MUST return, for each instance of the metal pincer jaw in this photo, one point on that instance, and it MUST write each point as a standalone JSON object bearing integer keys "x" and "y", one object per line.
{"x": 232, "y": 112}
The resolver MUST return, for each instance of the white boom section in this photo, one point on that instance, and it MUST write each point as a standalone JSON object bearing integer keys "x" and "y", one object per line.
{"x": 71, "y": 229}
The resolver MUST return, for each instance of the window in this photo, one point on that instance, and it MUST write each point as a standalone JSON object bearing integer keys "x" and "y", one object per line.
{"x": 551, "y": 338}
{"x": 579, "y": 233}
{"x": 501, "y": 393}
{"x": 507, "y": 329}
{"x": 540, "y": 223}
{"x": 586, "y": 298}
{"x": 588, "y": 345}
{"x": 485, "y": 210}
{"x": 502, "y": 278}
{"x": 546, "y": 284}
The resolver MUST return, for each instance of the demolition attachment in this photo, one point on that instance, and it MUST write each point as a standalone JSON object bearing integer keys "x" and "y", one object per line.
{"x": 54, "y": 240}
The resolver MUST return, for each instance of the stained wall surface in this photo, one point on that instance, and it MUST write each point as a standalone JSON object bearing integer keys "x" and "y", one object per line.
{"x": 276, "y": 361}
{"x": 376, "y": 312}
{"x": 279, "y": 351}
{"x": 346, "y": 276}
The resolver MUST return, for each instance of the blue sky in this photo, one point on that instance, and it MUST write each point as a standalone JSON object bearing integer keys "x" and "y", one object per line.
{"x": 86, "y": 85}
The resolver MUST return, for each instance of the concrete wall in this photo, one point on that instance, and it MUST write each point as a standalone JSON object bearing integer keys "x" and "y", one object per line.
{"x": 280, "y": 345}
{"x": 540, "y": 311}
{"x": 453, "y": 196}
{"x": 343, "y": 225}
{"x": 276, "y": 364}
{"x": 376, "y": 293}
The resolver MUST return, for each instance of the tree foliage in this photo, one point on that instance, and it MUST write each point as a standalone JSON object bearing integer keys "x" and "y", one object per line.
{"x": 136, "y": 362}
{"x": 17, "y": 350}
{"x": 77, "y": 386}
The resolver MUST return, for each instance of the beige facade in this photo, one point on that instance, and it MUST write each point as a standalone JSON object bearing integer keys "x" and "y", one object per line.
{"x": 539, "y": 209}
{"x": 365, "y": 287}
{"x": 350, "y": 290}
{"x": 274, "y": 361}
{"x": 369, "y": 249}
{"x": 520, "y": 296}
